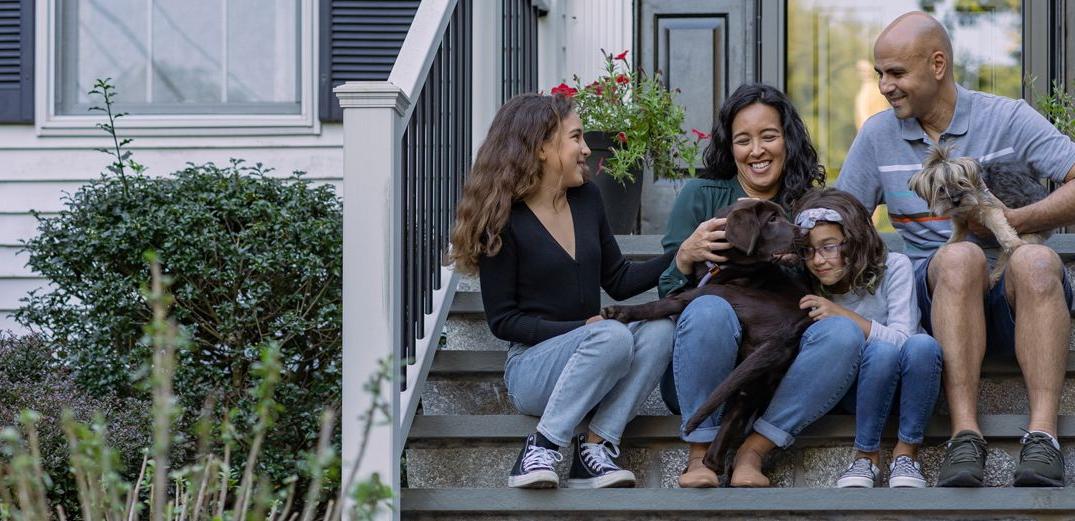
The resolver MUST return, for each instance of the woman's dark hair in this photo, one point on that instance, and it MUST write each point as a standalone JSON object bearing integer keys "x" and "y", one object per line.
{"x": 506, "y": 169}
{"x": 801, "y": 169}
{"x": 864, "y": 251}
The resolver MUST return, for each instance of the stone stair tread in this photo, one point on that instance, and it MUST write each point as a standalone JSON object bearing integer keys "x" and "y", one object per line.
{"x": 730, "y": 500}
{"x": 666, "y": 428}
{"x": 473, "y": 363}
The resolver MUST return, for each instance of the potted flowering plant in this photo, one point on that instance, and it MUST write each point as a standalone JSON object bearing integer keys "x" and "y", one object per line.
{"x": 631, "y": 120}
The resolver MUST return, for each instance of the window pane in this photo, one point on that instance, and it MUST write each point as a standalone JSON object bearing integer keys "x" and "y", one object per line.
{"x": 830, "y": 75}
{"x": 181, "y": 56}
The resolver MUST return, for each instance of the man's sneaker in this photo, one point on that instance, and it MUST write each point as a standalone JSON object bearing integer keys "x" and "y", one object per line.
{"x": 1040, "y": 462}
{"x": 964, "y": 461}
{"x": 905, "y": 472}
{"x": 535, "y": 467}
{"x": 592, "y": 466}
{"x": 861, "y": 474}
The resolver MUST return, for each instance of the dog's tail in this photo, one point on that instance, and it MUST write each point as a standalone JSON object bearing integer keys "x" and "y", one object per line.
{"x": 774, "y": 355}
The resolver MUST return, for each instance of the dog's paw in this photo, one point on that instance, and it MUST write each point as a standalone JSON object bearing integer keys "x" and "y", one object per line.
{"x": 615, "y": 313}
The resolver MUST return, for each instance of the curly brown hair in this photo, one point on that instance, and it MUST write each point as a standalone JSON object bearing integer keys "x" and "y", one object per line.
{"x": 864, "y": 251}
{"x": 506, "y": 169}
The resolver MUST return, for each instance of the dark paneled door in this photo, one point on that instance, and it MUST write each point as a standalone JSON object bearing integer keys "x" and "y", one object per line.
{"x": 704, "y": 48}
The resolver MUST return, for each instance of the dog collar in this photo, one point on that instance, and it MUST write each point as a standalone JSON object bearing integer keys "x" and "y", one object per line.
{"x": 713, "y": 270}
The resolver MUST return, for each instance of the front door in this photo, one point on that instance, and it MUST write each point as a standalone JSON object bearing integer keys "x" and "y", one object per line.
{"x": 704, "y": 48}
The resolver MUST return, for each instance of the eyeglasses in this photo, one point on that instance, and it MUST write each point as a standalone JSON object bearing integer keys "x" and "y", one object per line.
{"x": 828, "y": 251}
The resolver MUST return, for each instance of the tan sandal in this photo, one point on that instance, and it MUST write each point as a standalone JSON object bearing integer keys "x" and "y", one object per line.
{"x": 699, "y": 477}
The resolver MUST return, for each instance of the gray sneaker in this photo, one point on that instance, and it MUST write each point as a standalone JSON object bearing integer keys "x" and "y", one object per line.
{"x": 905, "y": 472}
{"x": 861, "y": 474}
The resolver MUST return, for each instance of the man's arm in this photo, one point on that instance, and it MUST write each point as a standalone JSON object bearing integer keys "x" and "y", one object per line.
{"x": 1058, "y": 209}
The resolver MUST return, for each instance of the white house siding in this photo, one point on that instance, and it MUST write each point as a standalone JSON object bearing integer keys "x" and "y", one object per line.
{"x": 36, "y": 171}
{"x": 571, "y": 35}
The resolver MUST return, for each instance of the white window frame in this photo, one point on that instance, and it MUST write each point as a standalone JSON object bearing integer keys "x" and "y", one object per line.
{"x": 49, "y": 123}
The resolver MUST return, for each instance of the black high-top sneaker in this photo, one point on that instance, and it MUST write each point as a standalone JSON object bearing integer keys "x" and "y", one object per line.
{"x": 535, "y": 467}
{"x": 592, "y": 466}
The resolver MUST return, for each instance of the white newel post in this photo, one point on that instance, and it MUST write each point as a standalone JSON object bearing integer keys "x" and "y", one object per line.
{"x": 373, "y": 127}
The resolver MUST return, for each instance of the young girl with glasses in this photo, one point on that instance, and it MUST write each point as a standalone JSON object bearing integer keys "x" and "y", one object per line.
{"x": 854, "y": 277}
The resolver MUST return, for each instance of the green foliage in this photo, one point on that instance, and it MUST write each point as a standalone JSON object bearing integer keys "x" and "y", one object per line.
{"x": 642, "y": 115}
{"x": 254, "y": 260}
{"x": 1059, "y": 108}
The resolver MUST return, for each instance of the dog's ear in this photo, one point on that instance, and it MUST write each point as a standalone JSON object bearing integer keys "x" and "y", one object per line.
{"x": 743, "y": 228}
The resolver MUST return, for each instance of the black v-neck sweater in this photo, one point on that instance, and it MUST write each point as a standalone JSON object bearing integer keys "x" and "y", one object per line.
{"x": 533, "y": 290}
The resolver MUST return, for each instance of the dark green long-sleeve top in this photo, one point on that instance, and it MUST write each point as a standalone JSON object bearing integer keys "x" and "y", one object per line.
{"x": 698, "y": 200}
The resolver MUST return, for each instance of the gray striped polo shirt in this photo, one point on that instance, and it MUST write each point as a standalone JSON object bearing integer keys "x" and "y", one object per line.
{"x": 887, "y": 151}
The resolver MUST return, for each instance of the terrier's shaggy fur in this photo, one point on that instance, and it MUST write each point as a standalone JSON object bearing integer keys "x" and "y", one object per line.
{"x": 961, "y": 188}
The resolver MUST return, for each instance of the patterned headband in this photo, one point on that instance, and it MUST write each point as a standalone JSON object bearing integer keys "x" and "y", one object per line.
{"x": 809, "y": 218}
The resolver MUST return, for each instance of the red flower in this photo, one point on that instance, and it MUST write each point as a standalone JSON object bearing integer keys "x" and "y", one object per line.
{"x": 699, "y": 135}
{"x": 621, "y": 137}
{"x": 564, "y": 89}
{"x": 622, "y": 79}
{"x": 622, "y": 56}
{"x": 596, "y": 87}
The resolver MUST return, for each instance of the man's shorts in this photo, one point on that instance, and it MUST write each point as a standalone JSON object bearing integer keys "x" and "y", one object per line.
{"x": 999, "y": 316}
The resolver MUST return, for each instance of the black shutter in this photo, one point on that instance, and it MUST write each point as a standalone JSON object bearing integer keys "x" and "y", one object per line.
{"x": 16, "y": 61}
{"x": 360, "y": 40}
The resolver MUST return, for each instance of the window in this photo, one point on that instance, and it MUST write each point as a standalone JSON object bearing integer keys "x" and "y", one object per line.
{"x": 193, "y": 62}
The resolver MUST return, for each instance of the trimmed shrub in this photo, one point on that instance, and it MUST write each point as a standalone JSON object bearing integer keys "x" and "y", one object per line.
{"x": 252, "y": 258}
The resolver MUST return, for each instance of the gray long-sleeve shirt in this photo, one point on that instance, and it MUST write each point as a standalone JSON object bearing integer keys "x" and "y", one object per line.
{"x": 893, "y": 309}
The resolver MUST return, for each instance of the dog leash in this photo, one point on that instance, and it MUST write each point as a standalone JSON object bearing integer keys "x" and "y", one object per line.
{"x": 713, "y": 270}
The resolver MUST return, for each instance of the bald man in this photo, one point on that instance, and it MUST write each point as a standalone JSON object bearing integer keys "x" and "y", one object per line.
{"x": 1027, "y": 313}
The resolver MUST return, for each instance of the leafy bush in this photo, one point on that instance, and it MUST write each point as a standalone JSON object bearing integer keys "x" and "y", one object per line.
{"x": 255, "y": 259}
{"x": 30, "y": 379}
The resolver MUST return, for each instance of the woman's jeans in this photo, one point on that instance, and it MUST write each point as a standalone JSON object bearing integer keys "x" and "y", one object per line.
{"x": 913, "y": 368}
{"x": 706, "y": 346}
{"x": 607, "y": 364}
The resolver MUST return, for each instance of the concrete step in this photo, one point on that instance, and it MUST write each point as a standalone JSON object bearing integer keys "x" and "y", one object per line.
{"x": 472, "y": 382}
{"x": 478, "y": 451}
{"x": 739, "y": 504}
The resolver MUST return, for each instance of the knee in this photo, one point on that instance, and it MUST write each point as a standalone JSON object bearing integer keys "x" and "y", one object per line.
{"x": 960, "y": 265}
{"x": 1034, "y": 270}
{"x": 612, "y": 341}
{"x": 834, "y": 333}
{"x": 881, "y": 356}
{"x": 921, "y": 351}
{"x": 708, "y": 313}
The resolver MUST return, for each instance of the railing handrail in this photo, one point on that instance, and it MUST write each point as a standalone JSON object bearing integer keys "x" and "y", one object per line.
{"x": 419, "y": 48}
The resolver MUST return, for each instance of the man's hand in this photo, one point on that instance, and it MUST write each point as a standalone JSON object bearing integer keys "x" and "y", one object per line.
{"x": 821, "y": 307}
{"x": 595, "y": 318}
{"x": 707, "y": 238}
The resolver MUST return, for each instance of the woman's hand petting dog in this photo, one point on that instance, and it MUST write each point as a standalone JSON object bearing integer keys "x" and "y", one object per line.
{"x": 707, "y": 238}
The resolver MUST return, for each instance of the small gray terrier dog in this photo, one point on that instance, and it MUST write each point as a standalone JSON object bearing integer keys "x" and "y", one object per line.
{"x": 962, "y": 188}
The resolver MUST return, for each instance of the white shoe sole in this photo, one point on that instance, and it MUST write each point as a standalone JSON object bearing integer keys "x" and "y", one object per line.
{"x": 617, "y": 479}
{"x": 855, "y": 482}
{"x": 536, "y": 479}
{"x": 906, "y": 482}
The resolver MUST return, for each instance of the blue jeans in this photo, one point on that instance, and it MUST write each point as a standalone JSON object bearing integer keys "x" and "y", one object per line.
{"x": 706, "y": 348}
{"x": 608, "y": 365}
{"x": 913, "y": 368}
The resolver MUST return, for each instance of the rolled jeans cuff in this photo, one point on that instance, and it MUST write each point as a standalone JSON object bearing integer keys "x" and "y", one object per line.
{"x": 775, "y": 434}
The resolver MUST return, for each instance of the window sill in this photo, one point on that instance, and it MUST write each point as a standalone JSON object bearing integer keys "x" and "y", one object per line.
{"x": 182, "y": 126}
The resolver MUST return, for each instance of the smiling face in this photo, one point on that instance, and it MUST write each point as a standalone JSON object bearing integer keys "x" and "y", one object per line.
{"x": 758, "y": 149}
{"x": 826, "y": 240}
{"x": 563, "y": 155}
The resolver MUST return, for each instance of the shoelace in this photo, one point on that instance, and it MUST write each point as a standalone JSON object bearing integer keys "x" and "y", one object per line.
{"x": 967, "y": 450}
{"x": 599, "y": 455}
{"x": 540, "y": 457}
{"x": 1038, "y": 447}
{"x": 860, "y": 467}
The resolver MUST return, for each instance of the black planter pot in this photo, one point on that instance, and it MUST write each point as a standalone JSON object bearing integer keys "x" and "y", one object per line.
{"x": 622, "y": 201}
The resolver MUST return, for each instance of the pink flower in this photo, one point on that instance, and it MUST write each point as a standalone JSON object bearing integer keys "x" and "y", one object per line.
{"x": 622, "y": 138}
{"x": 622, "y": 56}
{"x": 699, "y": 135}
{"x": 565, "y": 90}
{"x": 622, "y": 79}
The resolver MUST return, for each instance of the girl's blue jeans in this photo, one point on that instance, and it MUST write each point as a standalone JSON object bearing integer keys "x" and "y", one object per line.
{"x": 706, "y": 346}
{"x": 914, "y": 370}
{"x": 607, "y": 365}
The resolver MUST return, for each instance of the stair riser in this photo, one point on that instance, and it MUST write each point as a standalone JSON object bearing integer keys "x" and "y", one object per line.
{"x": 658, "y": 465}
{"x": 488, "y": 395}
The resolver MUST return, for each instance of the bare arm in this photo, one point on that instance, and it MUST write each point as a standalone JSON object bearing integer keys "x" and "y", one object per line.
{"x": 1058, "y": 209}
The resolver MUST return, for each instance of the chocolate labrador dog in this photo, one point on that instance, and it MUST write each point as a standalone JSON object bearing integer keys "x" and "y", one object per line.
{"x": 765, "y": 297}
